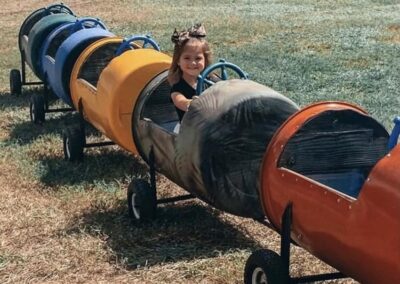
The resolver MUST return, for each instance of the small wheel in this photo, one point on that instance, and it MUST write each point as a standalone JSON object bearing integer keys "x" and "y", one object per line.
{"x": 264, "y": 266}
{"x": 37, "y": 109}
{"x": 142, "y": 201}
{"x": 73, "y": 144}
{"x": 15, "y": 82}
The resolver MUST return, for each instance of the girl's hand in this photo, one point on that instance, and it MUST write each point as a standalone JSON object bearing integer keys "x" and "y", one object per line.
{"x": 180, "y": 101}
{"x": 190, "y": 101}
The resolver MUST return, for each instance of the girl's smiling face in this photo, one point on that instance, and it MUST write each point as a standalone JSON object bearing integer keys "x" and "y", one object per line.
{"x": 192, "y": 60}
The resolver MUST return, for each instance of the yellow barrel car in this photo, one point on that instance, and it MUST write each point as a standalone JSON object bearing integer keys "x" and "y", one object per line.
{"x": 105, "y": 82}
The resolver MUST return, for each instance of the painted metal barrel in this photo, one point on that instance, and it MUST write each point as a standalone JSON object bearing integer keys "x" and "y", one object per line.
{"x": 331, "y": 162}
{"x": 33, "y": 18}
{"x": 218, "y": 151}
{"x": 62, "y": 48}
{"x": 105, "y": 85}
{"x": 37, "y": 36}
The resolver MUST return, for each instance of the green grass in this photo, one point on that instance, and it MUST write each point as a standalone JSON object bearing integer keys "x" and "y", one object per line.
{"x": 64, "y": 222}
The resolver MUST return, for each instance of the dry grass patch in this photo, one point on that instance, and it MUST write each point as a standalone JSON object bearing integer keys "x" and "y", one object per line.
{"x": 68, "y": 223}
{"x": 394, "y": 36}
{"x": 68, "y": 237}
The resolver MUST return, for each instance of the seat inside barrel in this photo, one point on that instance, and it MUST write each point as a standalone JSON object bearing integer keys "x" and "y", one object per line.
{"x": 96, "y": 62}
{"x": 337, "y": 149}
{"x": 159, "y": 107}
{"x": 56, "y": 42}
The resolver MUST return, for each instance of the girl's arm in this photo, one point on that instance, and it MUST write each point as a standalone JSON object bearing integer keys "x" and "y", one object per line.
{"x": 180, "y": 101}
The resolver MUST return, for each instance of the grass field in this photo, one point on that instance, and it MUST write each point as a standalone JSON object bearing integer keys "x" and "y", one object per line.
{"x": 64, "y": 222}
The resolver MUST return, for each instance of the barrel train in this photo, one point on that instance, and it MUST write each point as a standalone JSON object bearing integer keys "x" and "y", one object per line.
{"x": 325, "y": 177}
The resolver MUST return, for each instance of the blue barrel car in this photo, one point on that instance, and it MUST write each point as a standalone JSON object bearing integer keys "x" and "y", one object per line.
{"x": 30, "y": 38}
{"x": 58, "y": 54}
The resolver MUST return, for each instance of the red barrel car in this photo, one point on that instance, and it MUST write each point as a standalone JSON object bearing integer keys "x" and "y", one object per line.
{"x": 330, "y": 165}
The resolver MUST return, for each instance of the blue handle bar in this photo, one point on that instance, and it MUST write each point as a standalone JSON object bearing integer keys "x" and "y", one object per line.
{"x": 222, "y": 64}
{"x": 394, "y": 136}
{"x": 126, "y": 43}
{"x": 80, "y": 24}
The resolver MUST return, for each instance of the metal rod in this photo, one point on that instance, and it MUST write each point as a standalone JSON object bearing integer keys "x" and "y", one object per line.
{"x": 176, "y": 198}
{"x": 318, "y": 277}
{"x": 32, "y": 83}
{"x": 152, "y": 170}
{"x": 82, "y": 126}
{"x": 285, "y": 253}
{"x": 23, "y": 72}
{"x": 285, "y": 238}
{"x": 23, "y": 68}
{"x": 46, "y": 97}
{"x": 81, "y": 118}
{"x": 98, "y": 144}
{"x": 59, "y": 110}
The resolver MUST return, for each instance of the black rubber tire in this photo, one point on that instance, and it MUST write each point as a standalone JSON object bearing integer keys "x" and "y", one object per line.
{"x": 142, "y": 201}
{"x": 73, "y": 144}
{"x": 264, "y": 266}
{"x": 15, "y": 82}
{"x": 37, "y": 109}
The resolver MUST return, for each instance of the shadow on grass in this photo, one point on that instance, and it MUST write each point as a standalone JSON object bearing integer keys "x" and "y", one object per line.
{"x": 7, "y": 100}
{"x": 26, "y": 132}
{"x": 17, "y": 101}
{"x": 102, "y": 167}
{"x": 181, "y": 232}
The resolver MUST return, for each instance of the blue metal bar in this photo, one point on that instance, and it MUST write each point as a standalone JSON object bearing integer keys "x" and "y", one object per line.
{"x": 223, "y": 65}
{"x": 126, "y": 43}
{"x": 394, "y": 136}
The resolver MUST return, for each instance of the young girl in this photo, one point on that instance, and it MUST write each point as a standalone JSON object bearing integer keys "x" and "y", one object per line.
{"x": 191, "y": 55}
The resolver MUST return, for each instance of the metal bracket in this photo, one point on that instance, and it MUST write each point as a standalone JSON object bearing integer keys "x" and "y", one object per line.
{"x": 153, "y": 182}
{"x": 82, "y": 127}
{"x": 285, "y": 253}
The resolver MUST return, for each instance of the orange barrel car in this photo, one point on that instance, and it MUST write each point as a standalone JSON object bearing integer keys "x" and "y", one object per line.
{"x": 106, "y": 81}
{"x": 330, "y": 183}
{"x": 35, "y": 28}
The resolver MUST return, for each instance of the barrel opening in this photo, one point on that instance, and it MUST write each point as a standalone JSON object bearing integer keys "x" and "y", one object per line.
{"x": 337, "y": 149}
{"x": 96, "y": 62}
{"x": 56, "y": 42}
{"x": 159, "y": 107}
{"x": 30, "y": 21}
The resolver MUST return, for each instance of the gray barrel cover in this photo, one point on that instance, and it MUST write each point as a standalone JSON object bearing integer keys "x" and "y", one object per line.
{"x": 222, "y": 140}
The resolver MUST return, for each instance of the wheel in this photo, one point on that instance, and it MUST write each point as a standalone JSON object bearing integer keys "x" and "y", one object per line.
{"x": 15, "y": 82}
{"x": 37, "y": 108}
{"x": 73, "y": 144}
{"x": 142, "y": 201}
{"x": 264, "y": 266}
